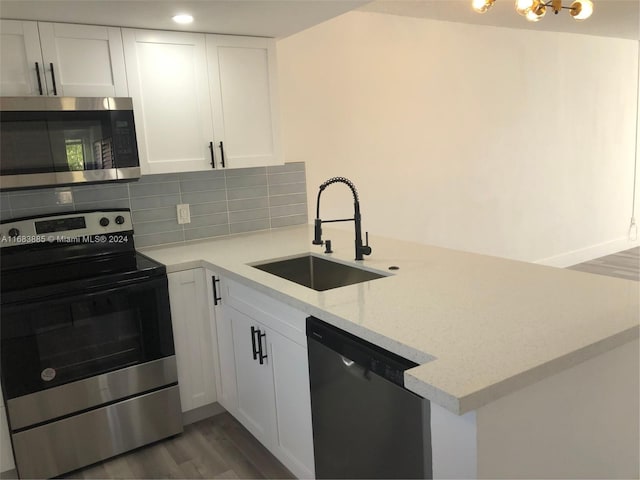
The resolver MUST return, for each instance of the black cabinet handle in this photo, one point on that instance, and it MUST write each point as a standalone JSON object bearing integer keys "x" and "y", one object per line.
{"x": 261, "y": 356}
{"x": 213, "y": 158}
{"x": 39, "y": 79}
{"x": 254, "y": 330}
{"x": 222, "y": 153}
{"x": 216, "y": 298}
{"x": 53, "y": 80}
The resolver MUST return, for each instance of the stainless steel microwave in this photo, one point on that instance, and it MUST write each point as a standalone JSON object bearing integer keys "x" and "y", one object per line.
{"x": 46, "y": 141}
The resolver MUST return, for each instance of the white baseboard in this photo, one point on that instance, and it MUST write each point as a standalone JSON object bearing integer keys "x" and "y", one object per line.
{"x": 589, "y": 253}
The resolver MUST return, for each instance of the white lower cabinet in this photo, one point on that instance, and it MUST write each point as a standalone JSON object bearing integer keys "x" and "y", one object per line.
{"x": 270, "y": 397}
{"x": 254, "y": 378}
{"x": 193, "y": 339}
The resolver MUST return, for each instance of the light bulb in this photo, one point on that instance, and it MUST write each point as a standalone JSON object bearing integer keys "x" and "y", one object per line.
{"x": 523, "y": 6}
{"x": 581, "y": 9}
{"x": 538, "y": 10}
{"x": 182, "y": 18}
{"x": 481, "y": 6}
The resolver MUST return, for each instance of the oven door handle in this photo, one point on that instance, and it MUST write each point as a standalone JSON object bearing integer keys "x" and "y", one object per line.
{"x": 87, "y": 292}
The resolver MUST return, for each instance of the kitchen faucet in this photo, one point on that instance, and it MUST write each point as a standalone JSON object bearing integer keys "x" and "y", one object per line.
{"x": 360, "y": 248}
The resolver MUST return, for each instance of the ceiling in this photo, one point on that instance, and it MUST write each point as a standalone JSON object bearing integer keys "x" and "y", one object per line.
{"x": 281, "y": 18}
{"x": 611, "y": 18}
{"x": 265, "y": 18}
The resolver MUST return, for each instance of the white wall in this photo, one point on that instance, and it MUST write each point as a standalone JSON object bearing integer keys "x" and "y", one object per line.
{"x": 508, "y": 142}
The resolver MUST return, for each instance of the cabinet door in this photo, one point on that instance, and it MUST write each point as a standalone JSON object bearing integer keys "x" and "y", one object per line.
{"x": 242, "y": 76}
{"x": 294, "y": 433}
{"x": 256, "y": 402}
{"x": 192, "y": 338}
{"x": 226, "y": 386}
{"x": 167, "y": 78}
{"x": 88, "y": 60}
{"x": 19, "y": 52}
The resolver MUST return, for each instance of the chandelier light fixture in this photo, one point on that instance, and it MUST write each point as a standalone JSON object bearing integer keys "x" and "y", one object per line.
{"x": 534, "y": 10}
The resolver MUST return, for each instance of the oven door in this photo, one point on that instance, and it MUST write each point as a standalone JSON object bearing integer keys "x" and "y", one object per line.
{"x": 49, "y": 342}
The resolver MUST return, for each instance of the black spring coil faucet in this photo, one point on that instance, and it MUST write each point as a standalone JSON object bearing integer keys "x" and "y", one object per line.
{"x": 317, "y": 240}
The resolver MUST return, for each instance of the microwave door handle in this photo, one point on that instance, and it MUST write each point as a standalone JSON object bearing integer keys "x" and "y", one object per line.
{"x": 39, "y": 78}
{"x": 53, "y": 80}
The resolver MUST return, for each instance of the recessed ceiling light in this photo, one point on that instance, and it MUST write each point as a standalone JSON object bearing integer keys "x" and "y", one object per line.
{"x": 183, "y": 18}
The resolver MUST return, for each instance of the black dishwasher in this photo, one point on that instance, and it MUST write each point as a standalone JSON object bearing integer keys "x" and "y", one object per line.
{"x": 365, "y": 423}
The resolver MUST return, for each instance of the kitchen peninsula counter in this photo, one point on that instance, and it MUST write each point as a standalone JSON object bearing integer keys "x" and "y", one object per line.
{"x": 480, "y": 327}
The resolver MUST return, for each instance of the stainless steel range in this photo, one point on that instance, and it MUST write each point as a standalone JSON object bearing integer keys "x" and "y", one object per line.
{"x": 88, "y": 368}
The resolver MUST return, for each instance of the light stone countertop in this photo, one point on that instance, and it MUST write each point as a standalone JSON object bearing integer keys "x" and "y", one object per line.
{"x": 479, "y": 326}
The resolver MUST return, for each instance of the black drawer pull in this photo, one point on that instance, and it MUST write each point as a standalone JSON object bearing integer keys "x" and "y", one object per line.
{"x": 254, "y": 330}
{"x": 261, "y": 356}
{"x": 216, "y": 298}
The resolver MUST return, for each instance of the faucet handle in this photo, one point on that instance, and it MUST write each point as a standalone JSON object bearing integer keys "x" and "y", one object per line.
{"x": 366, "y": 249}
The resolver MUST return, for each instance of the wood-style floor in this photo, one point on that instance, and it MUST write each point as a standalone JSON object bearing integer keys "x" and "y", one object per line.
{"x": 217, "y": 447}
{"x": 624, "y": 264}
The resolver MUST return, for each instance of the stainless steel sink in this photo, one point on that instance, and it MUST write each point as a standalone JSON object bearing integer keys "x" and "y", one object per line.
{"x": 317, "y": 273}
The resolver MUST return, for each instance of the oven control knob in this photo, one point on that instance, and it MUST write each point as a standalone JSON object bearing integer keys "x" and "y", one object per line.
{"x": 119, "y": 219}
{"x": 14, "y": 232}
{"x": 104, "y": 221}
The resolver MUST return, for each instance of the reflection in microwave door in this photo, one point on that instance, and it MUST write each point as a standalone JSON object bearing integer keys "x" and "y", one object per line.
{"x": 48, "y": 374}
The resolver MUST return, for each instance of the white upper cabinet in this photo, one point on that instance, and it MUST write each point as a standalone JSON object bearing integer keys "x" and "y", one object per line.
{"x": 202, "y": 101}
{"x": 167, "y": 75}
{"x": 88, "y": 60}
{"x": 244, "y": 94}
{"x": 40, "y": 58}
{"x": 19, "y": 54}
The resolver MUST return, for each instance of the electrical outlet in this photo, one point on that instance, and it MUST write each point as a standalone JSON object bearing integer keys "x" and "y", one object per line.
{"x": 184, "y": 215}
